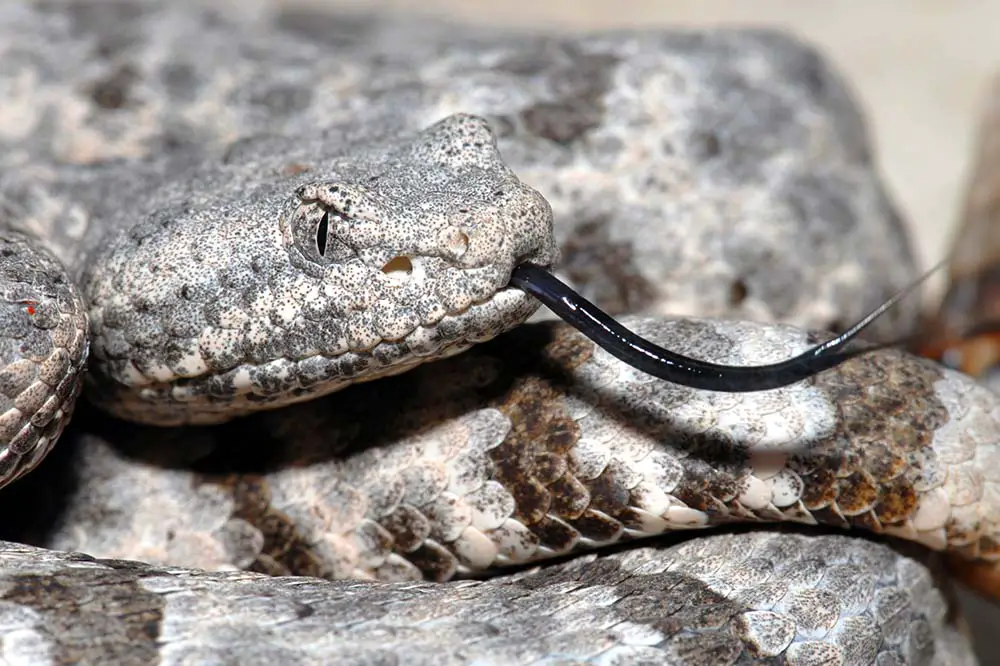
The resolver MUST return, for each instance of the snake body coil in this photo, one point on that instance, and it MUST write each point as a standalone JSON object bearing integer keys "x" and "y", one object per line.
{"x": 275, "y": 281}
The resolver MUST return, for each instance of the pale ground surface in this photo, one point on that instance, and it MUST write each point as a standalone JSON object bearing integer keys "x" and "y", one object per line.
{"x": 919, "y": 67}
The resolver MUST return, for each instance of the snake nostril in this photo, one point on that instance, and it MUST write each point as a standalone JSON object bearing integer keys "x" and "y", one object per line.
{"x": 398, "y": 269}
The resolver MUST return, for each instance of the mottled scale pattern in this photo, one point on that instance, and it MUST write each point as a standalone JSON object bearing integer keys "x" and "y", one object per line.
{"x": 763, "y": 597}
{"x": 43, "y": 349}
{"x": 680, "y": 164}
{"x": 538, "y": 444}
{"x": 291, "y": 201}
{"x": 229, "y": 296}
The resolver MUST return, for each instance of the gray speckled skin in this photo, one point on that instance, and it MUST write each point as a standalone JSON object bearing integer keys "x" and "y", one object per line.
{"x": 538, "y": 444}
{"x": 236, "y": 129}
{"x": 762, "y": 595}
{"x": 43, "y": 350}
{"x": 535, "y": 445}
{"x": 258, "y": 291}
{"x": 279, "y": 275}
{"x": 678, "y": 164}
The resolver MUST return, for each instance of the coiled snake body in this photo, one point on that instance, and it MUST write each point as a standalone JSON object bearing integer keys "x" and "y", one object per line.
{"x": 247, "y": 295}
{"x": 537, "y": 445}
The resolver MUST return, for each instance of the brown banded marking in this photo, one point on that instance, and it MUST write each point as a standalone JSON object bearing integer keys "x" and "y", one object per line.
{"x": 60, "y": 610}
{"x": 282, "y": 550}
{"x": 538, "y": 444}
{"x": 873, "y": 469}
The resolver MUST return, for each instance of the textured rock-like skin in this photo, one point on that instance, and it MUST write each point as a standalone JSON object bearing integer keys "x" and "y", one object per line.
{"x": 760, "y": 596}
{"x": 259, "y": 282}
{"x": 538, "y": 444}
{"x": 264, "y": 291}
{"x": 43, "y": 350}
{"x": 660, "y": 176}
{"x": 679, "y": 165}
{"x": 535, "y": 445}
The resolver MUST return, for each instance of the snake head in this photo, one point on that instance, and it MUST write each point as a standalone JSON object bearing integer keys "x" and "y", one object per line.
{"x": 424, "y": 231}
{"x": 364, "y": 265}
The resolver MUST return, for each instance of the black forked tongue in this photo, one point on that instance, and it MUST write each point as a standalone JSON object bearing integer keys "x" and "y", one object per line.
{"x": 679, "y": 369}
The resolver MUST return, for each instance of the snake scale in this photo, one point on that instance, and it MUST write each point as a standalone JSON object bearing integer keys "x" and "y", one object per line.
{"x": 278, "y": 270}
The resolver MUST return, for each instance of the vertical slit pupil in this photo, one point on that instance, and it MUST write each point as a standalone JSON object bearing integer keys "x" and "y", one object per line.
{"x": 321, "y": 234}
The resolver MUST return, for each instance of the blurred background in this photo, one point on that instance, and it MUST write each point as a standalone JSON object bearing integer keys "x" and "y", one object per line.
{"x": 920, "y": 69}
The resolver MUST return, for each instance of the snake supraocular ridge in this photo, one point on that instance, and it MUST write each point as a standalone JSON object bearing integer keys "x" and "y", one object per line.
{"x": 240, "y": 294}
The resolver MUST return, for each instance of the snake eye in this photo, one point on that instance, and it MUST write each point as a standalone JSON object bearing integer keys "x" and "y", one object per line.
{"x": 322, "y": 233}
{"x": 314, "y": 235}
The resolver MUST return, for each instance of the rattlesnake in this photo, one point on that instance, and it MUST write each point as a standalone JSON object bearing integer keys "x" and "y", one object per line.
{"x": 532, "y": 445}
{"x": 485, "y": 464}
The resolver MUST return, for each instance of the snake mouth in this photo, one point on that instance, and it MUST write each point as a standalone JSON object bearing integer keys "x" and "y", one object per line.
{"x": 337, "y": 306}
{"x": 392, "y": 256}
{"x": 250, "y": 386}
{"x": 376, "y": 319}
